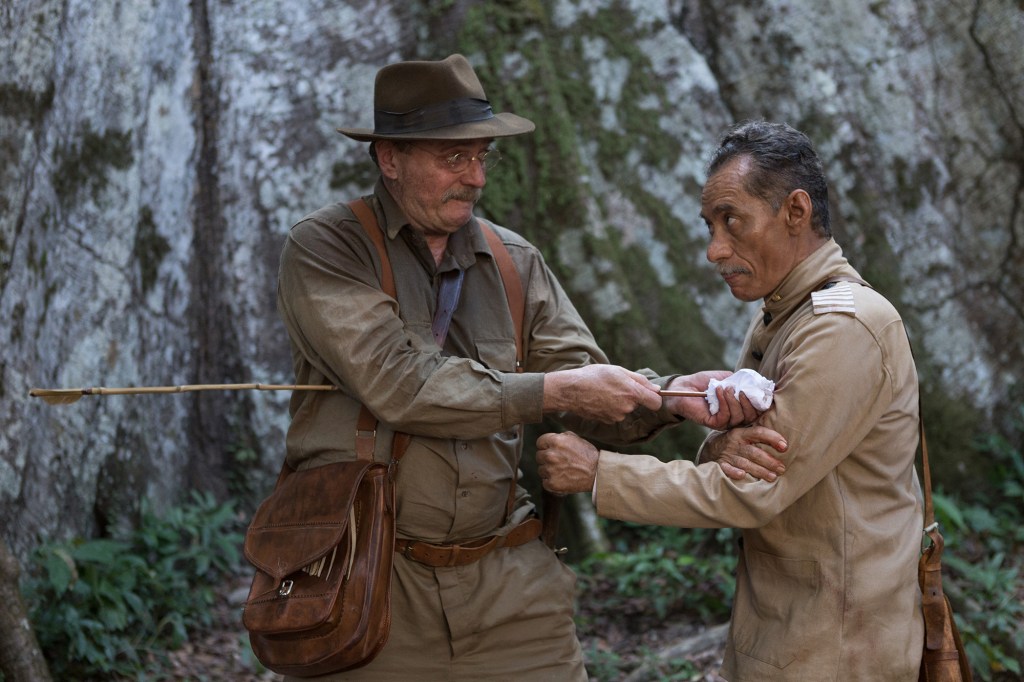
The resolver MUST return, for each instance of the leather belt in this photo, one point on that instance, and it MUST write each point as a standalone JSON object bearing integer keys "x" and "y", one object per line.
{"x": 474, "y": 550}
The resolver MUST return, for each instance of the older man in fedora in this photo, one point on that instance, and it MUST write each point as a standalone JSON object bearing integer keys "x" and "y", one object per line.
{"x": 441, "y": 363}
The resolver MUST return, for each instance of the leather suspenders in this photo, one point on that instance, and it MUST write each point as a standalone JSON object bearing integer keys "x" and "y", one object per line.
{"x": 513, "y": 284}
{"x": 449, "y": 555}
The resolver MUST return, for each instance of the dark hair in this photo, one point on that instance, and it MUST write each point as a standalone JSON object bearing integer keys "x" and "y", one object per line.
{"x": 784, "y": 160}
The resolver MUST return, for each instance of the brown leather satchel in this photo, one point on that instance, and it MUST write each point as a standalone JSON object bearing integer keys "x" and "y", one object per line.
{"x": 322, "y": 545}
{"x": 944, "y": 658}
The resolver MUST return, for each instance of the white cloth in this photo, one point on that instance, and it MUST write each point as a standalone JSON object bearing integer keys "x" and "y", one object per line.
{"x": 759, "y": 391}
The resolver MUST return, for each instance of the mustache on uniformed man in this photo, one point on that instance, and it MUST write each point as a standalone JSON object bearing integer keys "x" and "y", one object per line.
{"x": 462, "y": 194}
{"x": 726, "y": 270}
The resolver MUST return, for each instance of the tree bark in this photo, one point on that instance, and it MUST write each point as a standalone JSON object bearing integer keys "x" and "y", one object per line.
{"x": 20, "y": 657}
{"x": 591, "y": 535}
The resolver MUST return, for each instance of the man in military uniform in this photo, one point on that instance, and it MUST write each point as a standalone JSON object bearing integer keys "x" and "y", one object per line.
{"x": 826, "y": 580}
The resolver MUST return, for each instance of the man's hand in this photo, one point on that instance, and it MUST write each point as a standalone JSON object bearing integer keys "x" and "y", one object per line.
{"x": 737, "y": 453}
{"x": 731, "y": 411}
{"x": 604, "y": 393}
{"x": 566, "y": 463}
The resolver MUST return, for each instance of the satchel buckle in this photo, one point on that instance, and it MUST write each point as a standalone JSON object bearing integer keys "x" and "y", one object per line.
{"x": 286, "y": 588}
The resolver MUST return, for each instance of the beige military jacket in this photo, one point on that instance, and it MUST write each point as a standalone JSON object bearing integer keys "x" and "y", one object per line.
{"x": 826, "y": 578}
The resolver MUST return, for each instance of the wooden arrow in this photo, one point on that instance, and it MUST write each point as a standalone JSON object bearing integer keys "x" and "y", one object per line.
{"x": 66, "y": 396}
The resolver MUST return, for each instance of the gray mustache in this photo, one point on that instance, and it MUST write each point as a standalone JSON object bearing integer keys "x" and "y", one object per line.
{"x": 461, "y": 195}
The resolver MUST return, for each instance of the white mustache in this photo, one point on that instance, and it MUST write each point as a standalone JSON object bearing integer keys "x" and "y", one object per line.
{"x": 725, "y": 271}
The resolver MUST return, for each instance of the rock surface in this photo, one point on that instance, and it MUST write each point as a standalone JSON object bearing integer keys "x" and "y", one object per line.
{"x": 154, "y": 154}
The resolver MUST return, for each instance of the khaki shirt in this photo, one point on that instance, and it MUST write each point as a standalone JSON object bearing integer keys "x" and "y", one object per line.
{"x": 464, "y": 406}
{"x": 509, "y": 615}
{"x": 826, "y": 583}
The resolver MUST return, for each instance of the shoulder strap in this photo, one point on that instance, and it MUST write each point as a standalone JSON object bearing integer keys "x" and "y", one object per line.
{"x": 366, "y": 426}
{"x": 368, "y": 219}
{"x": 513, "y": 284}
{"x": 934, "y": 603}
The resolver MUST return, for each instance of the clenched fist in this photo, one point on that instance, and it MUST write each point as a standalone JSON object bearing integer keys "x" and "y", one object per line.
{"x": 566, "y": 463}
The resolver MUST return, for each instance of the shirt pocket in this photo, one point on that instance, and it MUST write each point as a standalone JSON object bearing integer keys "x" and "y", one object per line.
{"x": 777, "y": 610}
{"x": 497, "y": 354}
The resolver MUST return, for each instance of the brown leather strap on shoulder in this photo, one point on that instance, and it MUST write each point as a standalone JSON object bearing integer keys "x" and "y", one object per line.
{"x": 366, "y": 434}
{"x": 513, "y": 284}
{"x": 934, "y": 604}
{"x": 939, "y": 626}
{"x": 366, "y": 426}
{"x": 368, "y": 219}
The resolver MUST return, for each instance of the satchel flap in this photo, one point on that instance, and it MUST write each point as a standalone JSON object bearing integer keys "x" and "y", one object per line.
{"x": 304, "y": 518}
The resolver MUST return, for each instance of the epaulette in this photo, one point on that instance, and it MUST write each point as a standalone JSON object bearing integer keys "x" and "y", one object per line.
{"x": 836, "y": 297}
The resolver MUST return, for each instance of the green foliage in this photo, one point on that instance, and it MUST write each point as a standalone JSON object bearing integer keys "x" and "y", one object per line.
{"x": 655, "y": 574}
{"x": 662, "y": 572}
{"x": 990, "y": 620}
{"x": 604, "y": 663}
{"x": 249, "y": 482}
{"x": 984, "y": 556}
{"x": 104, "y": 608}
{"x": 655, "y": 669}
{"x": 953, "y": 436}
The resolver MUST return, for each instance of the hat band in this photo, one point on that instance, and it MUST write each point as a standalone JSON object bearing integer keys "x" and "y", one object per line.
{"x": 431, "y": 117}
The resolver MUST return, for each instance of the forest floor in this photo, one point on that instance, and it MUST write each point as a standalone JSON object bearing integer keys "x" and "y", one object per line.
{"x": 221, "y": 653}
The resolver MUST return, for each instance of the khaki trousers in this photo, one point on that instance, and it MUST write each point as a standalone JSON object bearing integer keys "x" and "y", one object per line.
{"x": 507, "y": 617}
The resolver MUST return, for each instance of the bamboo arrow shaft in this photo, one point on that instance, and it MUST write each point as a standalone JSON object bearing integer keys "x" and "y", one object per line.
{"x": 684, "y": 394}
{"x": 59, "y": 396}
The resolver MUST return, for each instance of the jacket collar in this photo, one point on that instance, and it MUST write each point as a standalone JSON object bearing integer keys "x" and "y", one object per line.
{"x": 825, "y": 262}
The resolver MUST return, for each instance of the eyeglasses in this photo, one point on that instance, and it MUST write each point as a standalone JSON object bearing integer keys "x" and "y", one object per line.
{"x": 459, "y": 162}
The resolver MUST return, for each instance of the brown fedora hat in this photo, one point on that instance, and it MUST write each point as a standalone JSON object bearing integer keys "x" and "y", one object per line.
{"x": 434, "y": 101}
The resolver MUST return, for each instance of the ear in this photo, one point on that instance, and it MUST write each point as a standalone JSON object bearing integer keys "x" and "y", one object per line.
{"x": 797, "y": 210}
{"x": 386, "y": 152}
